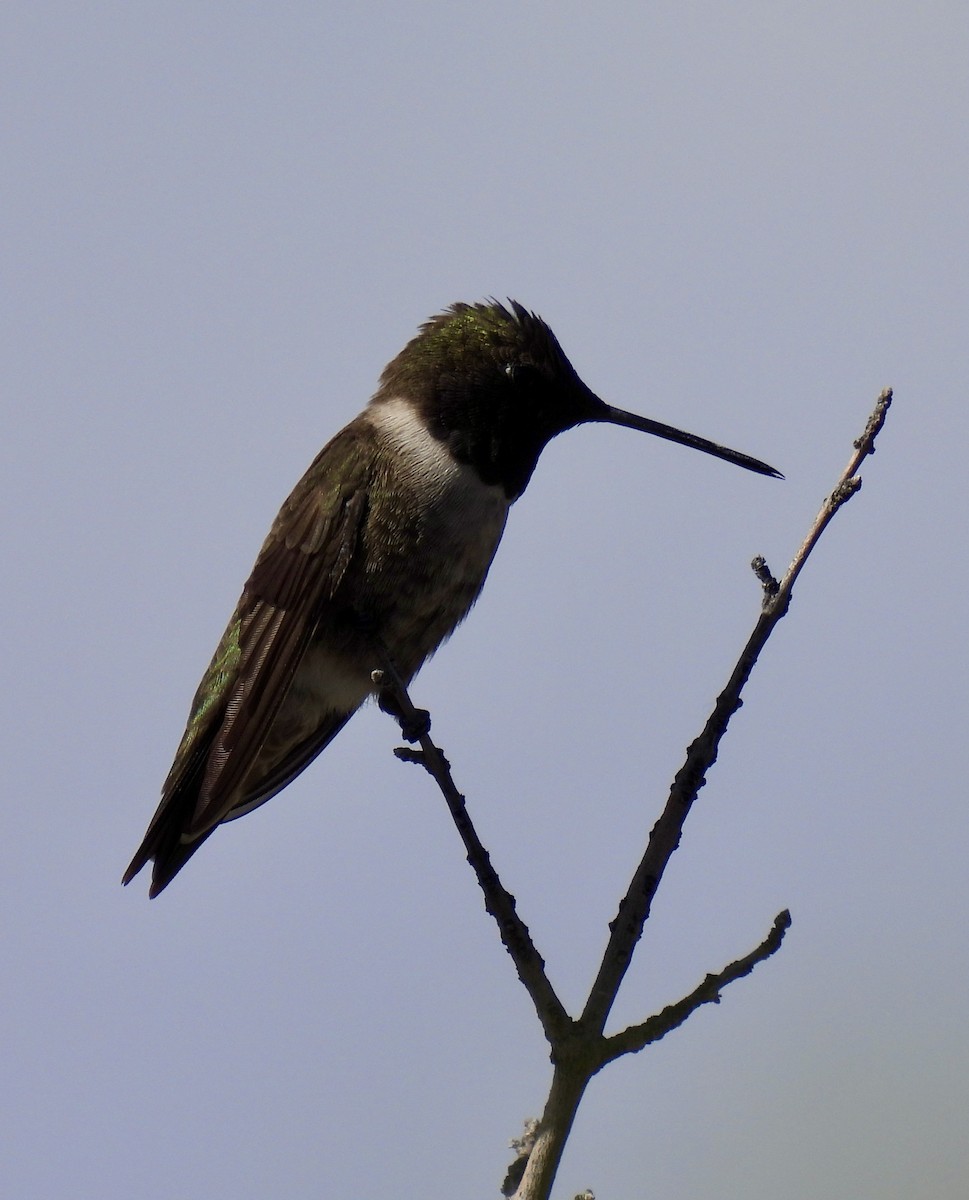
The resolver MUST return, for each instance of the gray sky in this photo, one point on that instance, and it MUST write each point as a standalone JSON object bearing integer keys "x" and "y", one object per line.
{"x": 221, "y": 220}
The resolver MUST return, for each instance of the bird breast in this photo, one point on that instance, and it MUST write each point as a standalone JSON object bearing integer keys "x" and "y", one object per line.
{"x": 433, "y": 532}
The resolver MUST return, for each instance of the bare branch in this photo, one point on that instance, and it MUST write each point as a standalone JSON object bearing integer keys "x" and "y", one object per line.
{"x": 634, "y": 908}
{"x": 499, "y": 902}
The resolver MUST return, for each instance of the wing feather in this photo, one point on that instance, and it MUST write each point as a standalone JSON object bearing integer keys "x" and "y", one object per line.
{"x": 301, "y": 564}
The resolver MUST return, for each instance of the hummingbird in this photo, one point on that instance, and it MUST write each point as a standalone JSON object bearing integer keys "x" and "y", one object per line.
{"x": 380, "y": 550}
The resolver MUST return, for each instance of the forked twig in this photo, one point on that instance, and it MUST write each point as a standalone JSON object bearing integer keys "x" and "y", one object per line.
{"x": 580, "y": 1047}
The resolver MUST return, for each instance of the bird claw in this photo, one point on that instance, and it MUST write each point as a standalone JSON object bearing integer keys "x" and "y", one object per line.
{"x": 417, "y": 727}
{"x": 413, "y": 725}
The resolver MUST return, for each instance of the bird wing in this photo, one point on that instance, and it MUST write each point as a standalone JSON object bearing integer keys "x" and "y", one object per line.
{"x": 312, "y": 542}
{"x": 293, "y": 763}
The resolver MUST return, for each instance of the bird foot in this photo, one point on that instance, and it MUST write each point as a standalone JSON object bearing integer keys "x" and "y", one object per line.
{"x": 414, "y": 724}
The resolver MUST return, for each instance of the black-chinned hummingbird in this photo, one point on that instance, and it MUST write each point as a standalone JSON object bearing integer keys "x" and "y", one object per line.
{"x": 382, "y": 547}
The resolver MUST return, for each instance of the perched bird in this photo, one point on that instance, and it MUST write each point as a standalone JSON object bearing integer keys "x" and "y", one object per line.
{"x": 381, "y": 549}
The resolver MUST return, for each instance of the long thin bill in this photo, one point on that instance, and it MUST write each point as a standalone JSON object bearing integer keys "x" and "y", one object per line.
{"x": 618, "y": 416}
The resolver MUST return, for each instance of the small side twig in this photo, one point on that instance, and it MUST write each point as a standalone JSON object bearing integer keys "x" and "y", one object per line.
{"x": 636, "y": 1037}
{"x": 767, "y": 580}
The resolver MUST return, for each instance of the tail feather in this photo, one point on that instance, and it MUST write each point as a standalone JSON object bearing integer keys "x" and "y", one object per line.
{"x": 163, "y": 841}
{"x": 168, "y": 842}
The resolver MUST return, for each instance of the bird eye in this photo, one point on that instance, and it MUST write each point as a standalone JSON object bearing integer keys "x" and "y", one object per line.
{"x": 510, "y": 370}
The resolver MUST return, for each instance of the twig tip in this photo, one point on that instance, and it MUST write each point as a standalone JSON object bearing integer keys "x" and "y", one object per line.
{"x": 762, "y": 571}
